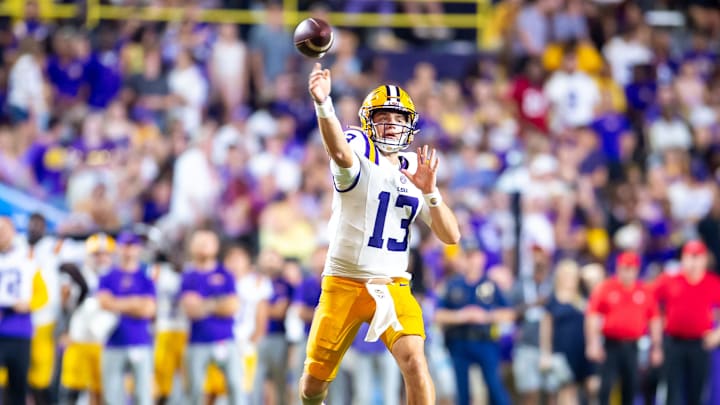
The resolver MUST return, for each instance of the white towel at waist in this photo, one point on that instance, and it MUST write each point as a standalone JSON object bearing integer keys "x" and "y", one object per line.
{"x": 385, "y": 315}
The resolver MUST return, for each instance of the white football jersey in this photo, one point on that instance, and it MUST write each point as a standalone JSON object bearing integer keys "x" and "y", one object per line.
{"x": 16, "y": 274}
{"x": 80, "y": 329}
{"x": 47, "y": 255}
{"x": 167, "y": 285}
{"x": 374, "y": 205}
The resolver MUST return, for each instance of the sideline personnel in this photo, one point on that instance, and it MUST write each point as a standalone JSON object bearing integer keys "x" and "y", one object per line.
{"x": 620, "y": 311}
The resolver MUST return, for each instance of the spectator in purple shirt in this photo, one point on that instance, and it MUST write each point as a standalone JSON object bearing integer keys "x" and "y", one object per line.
{"x": 50, "y": 160}
{"x": 148, "y": 90}
{"x": 209, "y": 300}
{"x": 102, "y": 72}
{"x": 65, "y": 69}
{"x": 128, "y": 291}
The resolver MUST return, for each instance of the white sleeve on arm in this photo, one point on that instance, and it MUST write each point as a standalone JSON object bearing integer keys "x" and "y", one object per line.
{"x": 345, "y": 179}
{"x": 27, "y": 275}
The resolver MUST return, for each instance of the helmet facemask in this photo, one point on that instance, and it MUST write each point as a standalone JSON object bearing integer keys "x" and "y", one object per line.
{"x": 397, "y": 142}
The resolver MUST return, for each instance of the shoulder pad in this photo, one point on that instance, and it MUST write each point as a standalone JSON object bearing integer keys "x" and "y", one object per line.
{"x": 361, "y": 144}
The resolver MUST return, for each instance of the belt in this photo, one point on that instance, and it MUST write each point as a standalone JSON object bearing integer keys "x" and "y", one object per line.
{"x": 620, "y": 342}
{"x": 685, "y": 339}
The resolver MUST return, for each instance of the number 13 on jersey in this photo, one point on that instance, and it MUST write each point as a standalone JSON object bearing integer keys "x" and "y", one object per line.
{"x": 393, "y": 245}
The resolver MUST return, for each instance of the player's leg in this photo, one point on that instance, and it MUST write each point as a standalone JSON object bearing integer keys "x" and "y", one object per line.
{"x": 164, "y": 369}
{"x": 408, "y": 345}
{"x": 41, "y": 396}
{"x": 312, "y": 390}
{"x": 17, "y": 361}
{"x": 198, "y": 358}
{"x": 141, "y": 364}
{"x": 232, "y": 370}
{"x": 334, "y": 326}
{"x": 113, "y": 374}
{"x": 274, "y": 351}
{"x": 487, "y": 354}
{"x": 71, "y": 378}
{"x": 390, "y": 377}
{"x": 461, "y": 366}
{"x": 42, "y": 363}
{"x": 93, "y": 352}
{"x": 214, "y": 385}
{"x": 409, "y": 352}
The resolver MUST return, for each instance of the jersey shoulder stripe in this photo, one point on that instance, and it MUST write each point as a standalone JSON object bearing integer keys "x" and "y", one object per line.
{"x": 362, "y": 144}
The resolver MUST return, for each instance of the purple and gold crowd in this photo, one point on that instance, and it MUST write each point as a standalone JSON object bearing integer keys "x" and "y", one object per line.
{"x": 580, "y": 151}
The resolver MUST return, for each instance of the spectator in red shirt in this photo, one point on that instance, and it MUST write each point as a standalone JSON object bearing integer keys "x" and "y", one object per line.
{"x": 620, "y": 311}
{"x": 688, "y": 300}
{"x": 527, "y": 95}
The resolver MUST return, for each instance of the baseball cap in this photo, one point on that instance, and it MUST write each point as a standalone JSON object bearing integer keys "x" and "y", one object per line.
{"x": 694, "y": 247}
{"x": 128, "y": 238}
{"x": 628, "y": 259}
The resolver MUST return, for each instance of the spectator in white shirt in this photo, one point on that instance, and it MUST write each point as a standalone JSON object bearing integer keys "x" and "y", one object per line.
{"x": 573, "y": 94}
{"x": 273, "y": 162}
{"x": 196, "y": 184}
{"x": 189, "y": 88}
{"x": 691, "y": 198}
{"x": 26, "y": 86}
{"x": 229, "y": 68}
{"x": 669, "y": 131}
{"x": 625, "y": 51}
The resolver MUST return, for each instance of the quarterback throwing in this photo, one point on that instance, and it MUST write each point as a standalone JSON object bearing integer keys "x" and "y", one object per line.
{"x": 379, "y": 191}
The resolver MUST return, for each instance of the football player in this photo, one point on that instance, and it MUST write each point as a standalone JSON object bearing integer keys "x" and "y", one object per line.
{"x": 17, "y": 271}
{"x": 171, "y": 327}
{"x": 45, "y": 250}
{"x": 81, "y": 364}
{"x": 379, "y": 192}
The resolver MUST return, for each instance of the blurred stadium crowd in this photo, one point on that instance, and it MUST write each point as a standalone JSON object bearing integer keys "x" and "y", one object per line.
{"x": 585, "y": 130}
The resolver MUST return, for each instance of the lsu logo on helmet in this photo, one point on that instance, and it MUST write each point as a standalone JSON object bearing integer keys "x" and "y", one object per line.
{"x": 392, "y": 98}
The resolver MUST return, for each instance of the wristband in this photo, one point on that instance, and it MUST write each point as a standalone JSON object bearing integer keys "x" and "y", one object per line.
{"x": 433, "y": 199}
{"x": 325, "y": 109}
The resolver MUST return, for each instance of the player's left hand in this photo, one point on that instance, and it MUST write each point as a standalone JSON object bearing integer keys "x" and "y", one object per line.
{"x": 425, "y": 176}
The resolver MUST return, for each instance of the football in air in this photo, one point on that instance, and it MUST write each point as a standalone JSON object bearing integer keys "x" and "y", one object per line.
{"x": 313, "y": 37}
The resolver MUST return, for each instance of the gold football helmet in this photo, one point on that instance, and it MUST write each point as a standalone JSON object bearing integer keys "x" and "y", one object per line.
{"x": 99, "y": 242}
{"x": 390, "y": 98}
